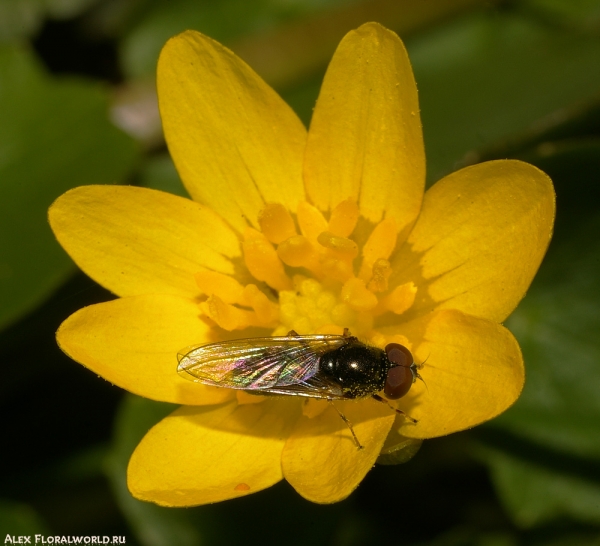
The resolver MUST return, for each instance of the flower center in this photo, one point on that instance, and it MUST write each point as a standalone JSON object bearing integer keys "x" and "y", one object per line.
{"x": 323, "y": 281}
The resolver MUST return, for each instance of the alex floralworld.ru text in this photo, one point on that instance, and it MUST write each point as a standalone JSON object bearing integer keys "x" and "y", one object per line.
{"x": 41, "y": 539}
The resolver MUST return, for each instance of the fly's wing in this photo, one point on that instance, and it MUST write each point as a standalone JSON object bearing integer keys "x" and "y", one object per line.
{"x": 267, "y": 364}
{"x": 316, "y": 386}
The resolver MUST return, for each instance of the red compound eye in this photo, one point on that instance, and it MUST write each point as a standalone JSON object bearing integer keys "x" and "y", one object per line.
{"x": 399, "y": 378}
{"x": 399, "y": 355}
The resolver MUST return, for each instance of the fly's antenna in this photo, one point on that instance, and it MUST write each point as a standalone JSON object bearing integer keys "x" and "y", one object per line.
{"x": 419, "y": 377}
{"x": 418, "y": 367}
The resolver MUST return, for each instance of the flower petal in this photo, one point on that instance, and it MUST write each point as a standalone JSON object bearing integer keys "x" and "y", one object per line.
{"x": 479, "y": 240}
{"x": 133, "y": 342}
{"x": 365, "y": 140}
{"x": 136, "y": 241}
{"x": 236, "y": 144}
{"x": 473, "y": 371}
{"x": 321, "y": 460}
{"x": 199, "y": 455}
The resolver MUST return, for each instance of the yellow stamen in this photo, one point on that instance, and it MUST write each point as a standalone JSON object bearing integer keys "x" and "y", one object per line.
{"x": 400, "y": 299}
{"x": 378, "y": 340}
{"x": 267, "y": 312}
{"x": 303, "y": 325}
{"x": 287, "y": 308}
{"x": 297, "y": 251}
{"x": 342, "y": 247}
{"x": 382, "y": 270}
{"x": 223, "y": 286}
{"x": 343, "y": 218}
{"x": 276, "y": 223}
{"x": 226, "y": 315}
{"x": 310, "y": 220}
{"x": 333, "y": 297}
{"x": 343, "y": 315}
{"x": 402, "y": 340}
{"x": 330, "y": 329}
{"x": 307, "y": 286}
{"x": 300, "y": 309}
{"x": 336, "y": 269}
{"x": 380, "y": 244}
{"x": 357, "y": 296}
{"x": 262, "y": 261}
{"x": 326, "y": 300}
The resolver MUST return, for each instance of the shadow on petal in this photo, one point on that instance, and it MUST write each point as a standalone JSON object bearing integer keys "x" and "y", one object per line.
{"x": 199, "y": 455}
{"x": 479, "y": 240}
{"x": 322, "y": 461}
{"x": 473, "y": 371}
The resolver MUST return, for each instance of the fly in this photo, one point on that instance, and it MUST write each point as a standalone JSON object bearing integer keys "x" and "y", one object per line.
{"x": 330, "y": 367}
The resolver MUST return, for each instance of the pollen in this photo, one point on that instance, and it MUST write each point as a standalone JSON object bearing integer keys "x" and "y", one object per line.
{"x": 311, "y": 275}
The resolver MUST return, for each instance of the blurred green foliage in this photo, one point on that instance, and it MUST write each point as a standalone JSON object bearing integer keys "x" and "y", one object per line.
{"x": 54, "y": 134}
{"x": 224, "y": 21}
{"x": 496, "y": 79}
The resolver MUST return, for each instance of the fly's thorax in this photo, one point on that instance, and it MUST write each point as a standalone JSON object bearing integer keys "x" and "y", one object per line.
{"x": 360, "y": 370}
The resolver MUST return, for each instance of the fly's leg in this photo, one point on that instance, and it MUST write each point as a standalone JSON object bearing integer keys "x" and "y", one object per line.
{"x": 348, "y": 423}
{"x": 379, "y": 399}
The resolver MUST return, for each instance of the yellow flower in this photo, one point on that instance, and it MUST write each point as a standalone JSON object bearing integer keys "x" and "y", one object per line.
{"x": 315, "y": 232}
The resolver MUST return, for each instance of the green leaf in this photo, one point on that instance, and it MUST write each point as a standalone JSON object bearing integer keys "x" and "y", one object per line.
{"x": 557, "y": 328}
{"x": 491, "y": 74}
{"x": 469, "y": 536}
{"x": 19, "y": 18}
{"x": 153, "y": 525}
{"x": 19, "y": 519}
{"x": 159, "y": 173}
{"x": 550, "y": 465}
{"x": 54, "y": 135}
{"x": 63, "y": 9}
{"x": 223, "y": 21}
{"x": 583, "y": 14}
{"x": 535, "y": 494}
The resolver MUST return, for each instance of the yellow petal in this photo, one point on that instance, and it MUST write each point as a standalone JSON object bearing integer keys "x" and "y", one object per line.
{"x": 197, "y": 455}
{"x": 139, "y": 241}
{"x": 133, "y": 342}
{"x": 479, "y": 240}
{"x": 321, "y": 460}
{"x": 472, "y": 371}
{"x": 235, "y": 143}
{"x": 365, "y": 140}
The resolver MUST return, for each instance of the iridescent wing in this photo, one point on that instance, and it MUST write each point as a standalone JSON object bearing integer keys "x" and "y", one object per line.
{"x": 265, "y": 365}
